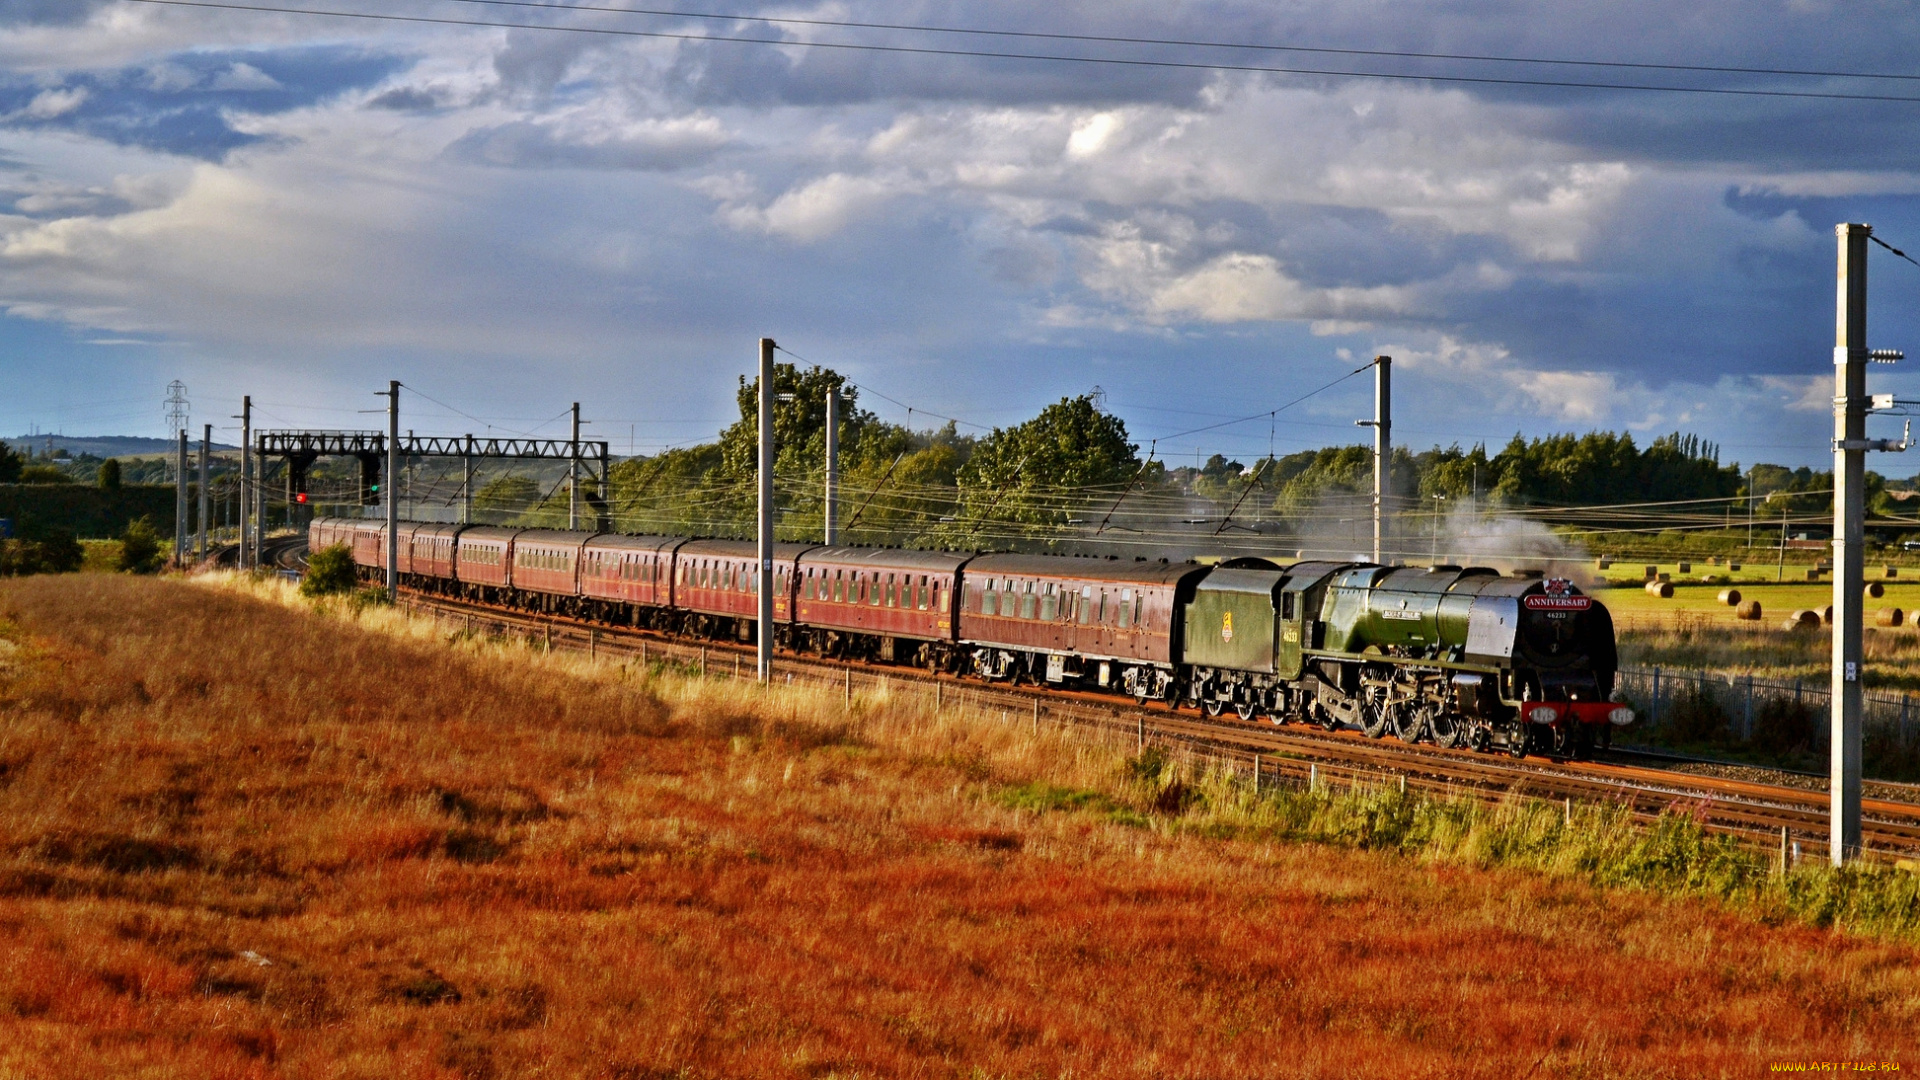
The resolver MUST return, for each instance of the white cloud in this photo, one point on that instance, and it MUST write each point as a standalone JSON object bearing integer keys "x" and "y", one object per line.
{"x": 244, "y": 77}
{"x": 49, "y": 104}
{"x": 815, "y": 210}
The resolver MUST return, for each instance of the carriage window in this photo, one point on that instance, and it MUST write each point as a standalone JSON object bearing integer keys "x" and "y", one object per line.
{"x": 1101, "y": 616}
{"x": 1126, "y": 596}
{"x": 1027, "y": 602}
{"x": 892, "y": 592}
{"x": 987, "y": 599}
{"x": 940, "y": 598}
{"x": 920, "y": 598}
{"x": 1137, "y": 601}
{"x": 1086, "y": 605}
{"x": 839, "y": 588}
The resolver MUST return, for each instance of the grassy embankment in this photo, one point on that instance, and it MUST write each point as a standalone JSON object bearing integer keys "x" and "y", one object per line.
{"x": 238, "y": 839}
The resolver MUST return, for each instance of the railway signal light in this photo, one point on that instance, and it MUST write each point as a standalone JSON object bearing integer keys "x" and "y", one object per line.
{"x": 369, "y": 479}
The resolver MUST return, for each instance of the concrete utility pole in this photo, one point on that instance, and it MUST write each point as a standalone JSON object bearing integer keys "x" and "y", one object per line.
{"x": 830, "y": 504}
{"x": 242, "y": 559}
{"x": 764, "y": 628}
{"x": 180, "y": 502}
{"x": 466, "y": 484}
{"x": 1382, "y": 425}
{"x": 1850, "y": 403}
{"x": 573, "y": 473}
{"x": 206, "y": 501}
{"x": 392, "y": 493}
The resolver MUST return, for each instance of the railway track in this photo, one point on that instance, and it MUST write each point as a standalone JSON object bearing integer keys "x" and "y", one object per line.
{"x": 1764, "y": 815}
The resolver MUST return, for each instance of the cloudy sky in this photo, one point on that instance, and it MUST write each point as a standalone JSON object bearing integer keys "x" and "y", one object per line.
{"x": 302, "y": 207}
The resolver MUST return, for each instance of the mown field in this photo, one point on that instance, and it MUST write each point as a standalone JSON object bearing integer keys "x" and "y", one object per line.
{"x": 241, "y": 839}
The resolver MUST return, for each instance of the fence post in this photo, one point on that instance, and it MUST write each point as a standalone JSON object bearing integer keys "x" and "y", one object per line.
{"x": 1036, "y": 716}
{"x": 1783, "y": 849}
{"x": 1653, "y": 712}
{"x": 703, "y": 661}
{"x": 1256, "y": 772}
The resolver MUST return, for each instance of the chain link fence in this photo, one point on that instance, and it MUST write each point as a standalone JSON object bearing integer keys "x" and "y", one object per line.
{"x": 1768, "y": 715}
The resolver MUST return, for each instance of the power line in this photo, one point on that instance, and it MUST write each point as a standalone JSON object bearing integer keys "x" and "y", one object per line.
{"x": 1116, "y": 39}
{"x": 988, "y": 54}
{"x": 1891, "y": 248}
{"x": 1269, "y": 412}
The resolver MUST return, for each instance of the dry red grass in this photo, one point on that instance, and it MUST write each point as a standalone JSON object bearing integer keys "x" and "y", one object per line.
{"x": 237, "y": 840}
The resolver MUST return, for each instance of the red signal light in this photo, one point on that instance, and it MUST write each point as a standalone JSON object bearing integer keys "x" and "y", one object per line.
{"x": 301, "y": 497}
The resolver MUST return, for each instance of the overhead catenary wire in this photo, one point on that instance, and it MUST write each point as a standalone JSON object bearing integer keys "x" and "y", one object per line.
{"x": 1054, "y": 58}
{"x": 1254, "y": 46}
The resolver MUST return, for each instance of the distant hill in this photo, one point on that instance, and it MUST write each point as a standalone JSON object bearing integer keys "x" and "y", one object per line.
{"x": 103, "y": 446}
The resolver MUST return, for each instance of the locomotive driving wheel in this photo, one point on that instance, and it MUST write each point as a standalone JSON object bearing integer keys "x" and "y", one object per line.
{"x": 1246, "y": 710}
{"x": 1409, "y": 723}
{"x": 1374, "y": 718}
{"x": 1446, "y": 729}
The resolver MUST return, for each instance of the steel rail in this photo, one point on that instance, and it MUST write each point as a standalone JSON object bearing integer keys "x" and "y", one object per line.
{"x": 1294, "y": 754}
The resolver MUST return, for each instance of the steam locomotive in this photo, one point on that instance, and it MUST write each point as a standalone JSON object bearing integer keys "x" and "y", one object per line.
{"x": 1445, "y": 654}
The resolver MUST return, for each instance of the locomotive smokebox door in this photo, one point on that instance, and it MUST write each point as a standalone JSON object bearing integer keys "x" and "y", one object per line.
{"x": 1231, "y": 623}
{"x": 1491, "y": 625}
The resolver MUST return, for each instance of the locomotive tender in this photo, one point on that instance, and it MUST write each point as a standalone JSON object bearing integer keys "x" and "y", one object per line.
{"x": 1455, "y": 656}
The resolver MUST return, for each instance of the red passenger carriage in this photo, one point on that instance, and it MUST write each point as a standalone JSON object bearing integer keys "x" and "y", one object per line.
{"x": 715, "y": 586}
{"x": 1093, "y": 622}
{"x": 872, "y": 601}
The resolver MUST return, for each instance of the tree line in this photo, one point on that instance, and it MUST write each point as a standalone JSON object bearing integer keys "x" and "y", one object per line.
{"x": 1074, "y": 468}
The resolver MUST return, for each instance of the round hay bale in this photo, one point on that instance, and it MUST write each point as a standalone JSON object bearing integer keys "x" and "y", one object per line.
{"x": 1889, "y": 616}
{"x": 1730, "y": 597}
{"x": 1804, "y": 619}
{"x": 1826, "y": 615}
{"x": 1686, "y": 568}
{"x": 1661, "y": 589}
{"x": 1876, "y": 590}
{"x": 1748, "y": 609}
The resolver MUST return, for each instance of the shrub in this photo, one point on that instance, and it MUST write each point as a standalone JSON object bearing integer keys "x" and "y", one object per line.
{"x": 109, "y": 475}
{"x": 1693, "y": 714}
{"x": 53, "y": 553}
{"x": 140, "y": 551}
{"x": 329, "y": 571}
{"x": 1782, "y": 725}
{"x": 44, "y": 474}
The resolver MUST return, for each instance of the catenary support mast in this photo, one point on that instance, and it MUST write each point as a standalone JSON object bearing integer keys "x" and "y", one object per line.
{"x": 830, "y": 504}
{"x": 206, "y": 501}
{"x": 392, "y": 491}
{"x": 763, "y": 635}
{"x": 1849, "y": 506}
{"x": 1382, "y": 425}
{"x": 180, "y": 501}
{"x": 573, "y": 474}
{"x": 244, "y": 558}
